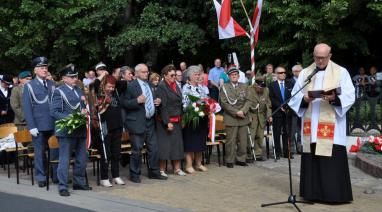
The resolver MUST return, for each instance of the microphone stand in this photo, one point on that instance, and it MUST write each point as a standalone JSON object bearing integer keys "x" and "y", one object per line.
{"x": 292, "y": 197}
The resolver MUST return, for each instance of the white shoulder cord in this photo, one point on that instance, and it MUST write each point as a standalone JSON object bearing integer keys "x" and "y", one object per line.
{"x": 230, "y": 101}
{"x": 256, "y": 108}
{"x": 67, "y": 101}
{"x": 34, "y": 96}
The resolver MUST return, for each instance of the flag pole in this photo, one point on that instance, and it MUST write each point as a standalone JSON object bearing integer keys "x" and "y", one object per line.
{"x": 251, "y": 39}
{"x": 246, "y": 14}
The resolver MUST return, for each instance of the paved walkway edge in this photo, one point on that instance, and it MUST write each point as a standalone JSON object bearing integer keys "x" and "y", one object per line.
{"x": 90, "y": 200}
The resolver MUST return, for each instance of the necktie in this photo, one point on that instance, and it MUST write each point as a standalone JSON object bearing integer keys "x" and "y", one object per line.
{"x": 149, "y": 104}
{"x": 45, "y": 86}
{"x": 282, "y": 90}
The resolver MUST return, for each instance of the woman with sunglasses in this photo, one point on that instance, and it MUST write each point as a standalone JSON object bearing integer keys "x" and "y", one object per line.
{"x": 169, "y": 130}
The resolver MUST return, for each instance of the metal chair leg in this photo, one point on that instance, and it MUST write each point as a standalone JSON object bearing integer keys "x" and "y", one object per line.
{"x": 218, "y": 147}
{"x": 7, "y": 159}
{"x": 32, "y": 177}
{"x": 17, "y": 169}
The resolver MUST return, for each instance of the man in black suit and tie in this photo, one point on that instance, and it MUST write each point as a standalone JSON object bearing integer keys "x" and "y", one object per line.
{"x": 139, "y": 103}
{"x": 279, "y": 91}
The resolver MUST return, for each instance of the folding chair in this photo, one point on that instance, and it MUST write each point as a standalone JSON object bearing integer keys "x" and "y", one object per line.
{"x": 219, "y": 139}
{"x": 6, "y": 130}
{"x": 22, "y": 137}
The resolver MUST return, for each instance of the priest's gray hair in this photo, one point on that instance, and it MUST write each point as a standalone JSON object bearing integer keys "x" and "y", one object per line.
{"x": 192, "y": 70}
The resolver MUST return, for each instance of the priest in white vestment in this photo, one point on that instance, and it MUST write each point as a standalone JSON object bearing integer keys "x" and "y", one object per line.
{"x": 323, "y": 104}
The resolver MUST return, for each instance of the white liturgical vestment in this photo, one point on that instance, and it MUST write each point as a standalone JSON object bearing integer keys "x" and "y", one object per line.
{"x": 347, "y": 98}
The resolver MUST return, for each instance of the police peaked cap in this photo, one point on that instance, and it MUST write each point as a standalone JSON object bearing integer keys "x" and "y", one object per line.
{"x": 69, "y": 71}
{"x": 8, "y": 79}
{"x": 39, "y": 62}
{"x": 100, "y": 65}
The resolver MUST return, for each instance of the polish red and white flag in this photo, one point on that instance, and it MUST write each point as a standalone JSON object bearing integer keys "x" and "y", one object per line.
{"x": 227, "y": 26}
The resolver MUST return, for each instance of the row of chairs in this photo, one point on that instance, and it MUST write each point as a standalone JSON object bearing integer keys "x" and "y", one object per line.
{"x": 25, "y": 153}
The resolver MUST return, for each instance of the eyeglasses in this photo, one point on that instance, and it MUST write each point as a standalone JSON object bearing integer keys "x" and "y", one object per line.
{"x": 172, "y": 75}
{"x": 321, "y": 58}
{"x": 280, "y": 72}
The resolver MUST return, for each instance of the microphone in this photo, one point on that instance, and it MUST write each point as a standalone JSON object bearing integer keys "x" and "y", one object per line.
{"x": 311, "y": 75}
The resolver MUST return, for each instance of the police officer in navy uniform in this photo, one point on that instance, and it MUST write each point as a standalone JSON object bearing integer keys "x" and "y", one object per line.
{"x": 36, "y": 101}
{"x": 67, "y": 99}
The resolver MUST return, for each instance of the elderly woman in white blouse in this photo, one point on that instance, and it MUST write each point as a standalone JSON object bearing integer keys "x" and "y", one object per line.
{"x": 194, "y": 140}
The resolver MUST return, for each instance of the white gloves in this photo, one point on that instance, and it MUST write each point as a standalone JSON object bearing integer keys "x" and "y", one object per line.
{"x": 34, "y": 132}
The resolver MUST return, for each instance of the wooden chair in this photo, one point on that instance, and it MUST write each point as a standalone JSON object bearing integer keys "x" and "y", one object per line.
{"x": 22, "y": 137}
{"x": 5, "y": 131}
{"x": 126, "y": 147}
{"x": 52, "y": 144}
{"x": 8, "y": 125}
{"x": 95, "y": 158}
{"x": 220, "y": 132}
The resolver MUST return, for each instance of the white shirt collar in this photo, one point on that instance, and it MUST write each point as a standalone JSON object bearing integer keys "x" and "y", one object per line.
{"x": 40, "y": 80}
{"x": 4, "y": 90}
{"x": 70, "y": 87}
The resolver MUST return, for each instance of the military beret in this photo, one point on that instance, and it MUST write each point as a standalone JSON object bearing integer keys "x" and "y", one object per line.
{"x": 232, "y": 70}
{"x": 39, "y": 62}
{"x": 69, "y": 71}
{"x": 25, "y": 74}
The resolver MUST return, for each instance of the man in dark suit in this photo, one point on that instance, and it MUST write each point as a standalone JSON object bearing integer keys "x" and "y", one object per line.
{"x": 279, "y": 91}
{"x": 139, "y": 103}
{"x": 6, "y": 113}
{"x": 36, "y": 101}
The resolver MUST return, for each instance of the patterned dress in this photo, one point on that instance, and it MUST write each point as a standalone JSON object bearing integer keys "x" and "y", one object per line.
{"x": 194, "y": 140}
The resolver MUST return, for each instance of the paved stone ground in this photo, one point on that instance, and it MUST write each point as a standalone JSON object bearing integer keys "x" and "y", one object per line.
{"x": 223, "y": 189}
{"x": 245, "y": 189}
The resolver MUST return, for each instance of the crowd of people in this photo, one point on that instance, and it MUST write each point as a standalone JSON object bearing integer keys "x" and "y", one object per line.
{"x": 149, "y": 106}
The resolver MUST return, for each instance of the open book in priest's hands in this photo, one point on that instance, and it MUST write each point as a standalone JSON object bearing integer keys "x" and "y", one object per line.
{"x": 319, "y": 93}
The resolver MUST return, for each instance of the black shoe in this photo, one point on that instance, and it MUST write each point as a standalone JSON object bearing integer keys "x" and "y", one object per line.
{"x": 250, "y": 160}
{"x": 41, "y": 184}
{"x": 229, "y": 165}
{"x": 277, "y": 157}
{"x": 135, "y": 179}
{"x": 239, "y": 163}
{"x": 261, "y": 159}
{"x": 64, "y": 193}
{"x": 157, "y": 176}
{"x": 55, "y": 181}
{"x": 82, "y": 187}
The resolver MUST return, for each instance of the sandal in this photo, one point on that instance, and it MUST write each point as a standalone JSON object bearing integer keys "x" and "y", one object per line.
{"x": 201, "y": 168}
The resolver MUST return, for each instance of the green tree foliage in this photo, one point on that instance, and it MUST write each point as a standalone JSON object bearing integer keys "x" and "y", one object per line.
{"x": 118, "y": 32}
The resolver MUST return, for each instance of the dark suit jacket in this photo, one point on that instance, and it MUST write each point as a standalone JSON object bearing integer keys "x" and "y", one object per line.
{"x": 275, "y": 95}
{"x": 171, "y": 102}
{"x": 5, "y": 105}
{"x": 135, "y": 120}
